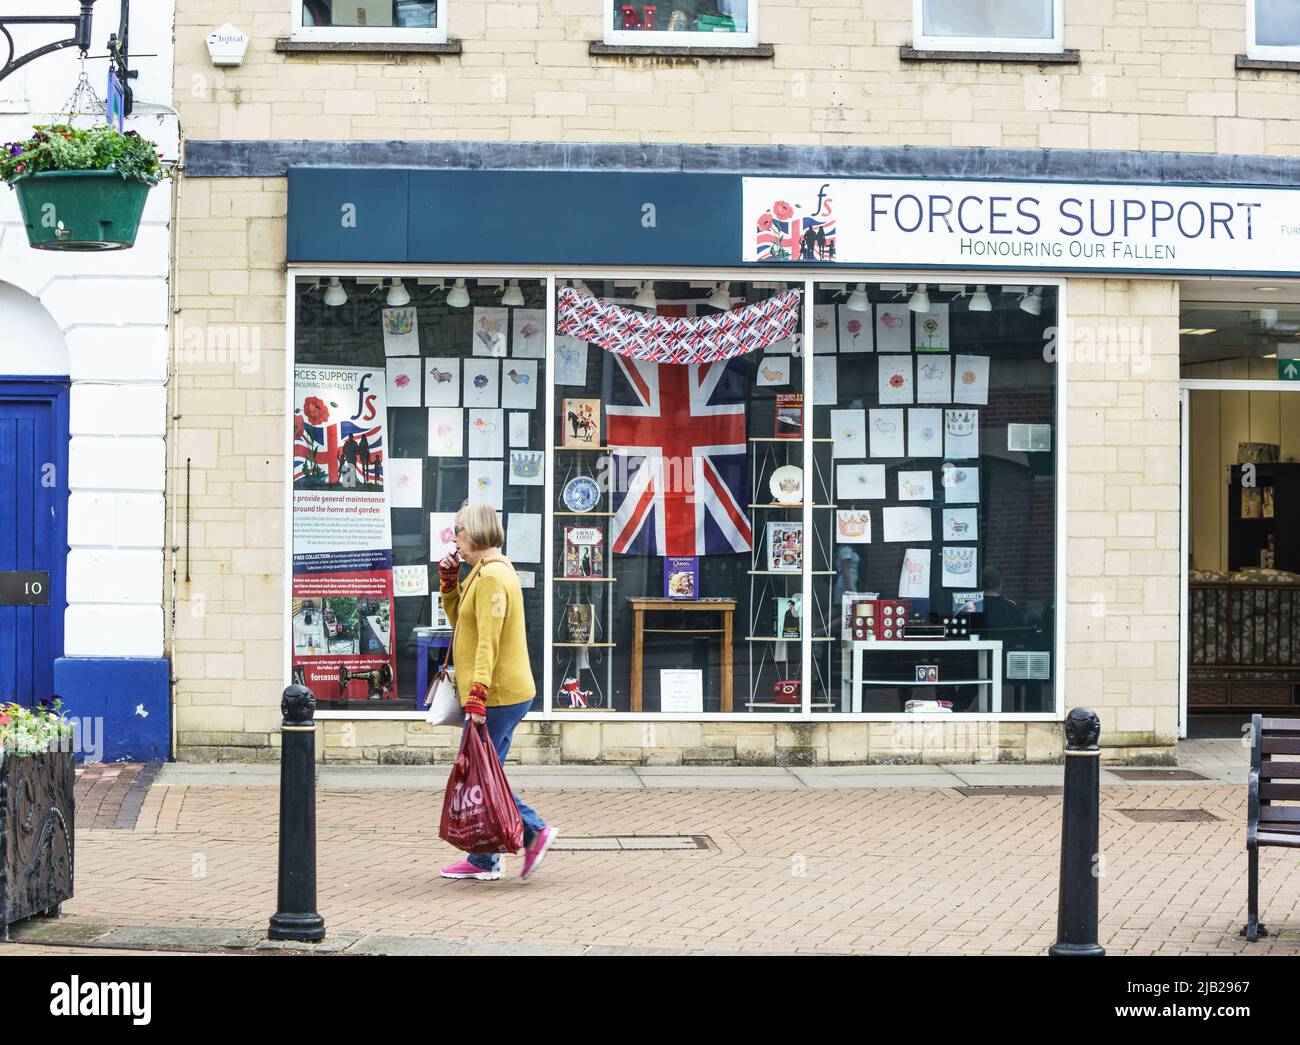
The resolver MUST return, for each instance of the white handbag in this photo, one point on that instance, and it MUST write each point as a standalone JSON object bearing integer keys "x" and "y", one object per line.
{"x": 442, "y": 702}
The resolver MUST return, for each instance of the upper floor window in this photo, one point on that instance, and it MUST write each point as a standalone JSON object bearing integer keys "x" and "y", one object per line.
{"x": 988, "y": 25}
{"x": 1273, "y": 29}
{"x": 686, "y": 23}
{"x": 364, "y": 21}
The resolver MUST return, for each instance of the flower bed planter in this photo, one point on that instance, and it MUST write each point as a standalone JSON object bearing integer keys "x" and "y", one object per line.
{"x": 81, "y": 210}
{"x": 36, "y": 834}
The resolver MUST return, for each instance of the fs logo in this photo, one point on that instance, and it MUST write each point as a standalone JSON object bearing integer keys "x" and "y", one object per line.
{"x": 365, "y": 403}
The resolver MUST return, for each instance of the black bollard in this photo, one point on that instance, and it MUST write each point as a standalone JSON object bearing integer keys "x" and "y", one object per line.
{"x": 1076, "y": 920}
{"x": 297, "y": 918}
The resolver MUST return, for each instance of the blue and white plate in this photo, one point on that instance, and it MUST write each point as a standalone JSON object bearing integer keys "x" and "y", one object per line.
{"x": 581, "y": 494}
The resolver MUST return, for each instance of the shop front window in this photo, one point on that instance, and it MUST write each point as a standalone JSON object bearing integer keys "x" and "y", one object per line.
{"x": 681, "y": 23}
{"x": 990, "y": 25}
{"x": 934, "y": 425}
{"x": 365, "y": 20}
{"x": 410, "y": 397}
{"x": 678, "y": 552}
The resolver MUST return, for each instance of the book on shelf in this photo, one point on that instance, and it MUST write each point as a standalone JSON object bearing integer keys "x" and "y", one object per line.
{"x": 580, "y": 623}
{"x": 581, "y": 422}
{"x": 789, "y": 415}
{"x": 584, "y": 553}
{"x": 789, "y": 613}
{"x": 681, "y": 577}
{"x": 784, "y": 547}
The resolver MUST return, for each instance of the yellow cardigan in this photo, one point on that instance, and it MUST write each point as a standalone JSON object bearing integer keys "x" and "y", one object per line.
{"x": 490, "y": 646}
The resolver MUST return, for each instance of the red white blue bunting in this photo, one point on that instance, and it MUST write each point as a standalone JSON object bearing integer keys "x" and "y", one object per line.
{"x": 674, "y": 339}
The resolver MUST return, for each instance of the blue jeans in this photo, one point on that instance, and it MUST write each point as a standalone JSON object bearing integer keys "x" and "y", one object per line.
{"x": 501, "y": 723}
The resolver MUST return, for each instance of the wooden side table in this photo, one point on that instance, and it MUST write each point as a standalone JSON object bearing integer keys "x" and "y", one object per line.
{"x": 641, "y": 606}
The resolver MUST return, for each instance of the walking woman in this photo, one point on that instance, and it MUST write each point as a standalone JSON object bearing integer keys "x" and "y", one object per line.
{"x": 493, "y": 676}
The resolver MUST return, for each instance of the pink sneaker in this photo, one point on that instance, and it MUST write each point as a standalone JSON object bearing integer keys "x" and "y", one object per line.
{"x": 534, "y": 853}
{"x": 465, "y": 869}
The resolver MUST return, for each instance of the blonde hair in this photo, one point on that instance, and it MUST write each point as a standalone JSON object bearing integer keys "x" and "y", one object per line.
{"x": 482, "y": 526}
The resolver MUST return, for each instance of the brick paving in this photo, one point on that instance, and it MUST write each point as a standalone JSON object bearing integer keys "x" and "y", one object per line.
{"x": 830, "y": 870}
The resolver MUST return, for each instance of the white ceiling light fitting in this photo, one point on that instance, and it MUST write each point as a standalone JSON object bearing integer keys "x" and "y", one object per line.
{"x": 721, "y": 297}
{"x": 335, "y": 295}
{"x": 920, "y": 300}
{"x": 512, "y": 295}
{"x": 1033, "y": 302}
{"x": 858, "y": 300}
{"x": 398, "y": 295}
{"x": 645, "y": 296}
{"x": 979, "y": 301}
{"x": 458, "y": 296}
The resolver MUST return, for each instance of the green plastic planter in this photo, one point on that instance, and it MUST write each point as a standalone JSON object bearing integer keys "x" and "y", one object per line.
{"x": 81, "y": 210}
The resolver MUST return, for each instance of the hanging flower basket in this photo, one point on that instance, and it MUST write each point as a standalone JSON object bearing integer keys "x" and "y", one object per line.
{"x": 81, "y": 189}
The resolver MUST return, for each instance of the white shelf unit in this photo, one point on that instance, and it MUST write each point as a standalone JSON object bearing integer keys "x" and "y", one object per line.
{"x": 989, "y": 653}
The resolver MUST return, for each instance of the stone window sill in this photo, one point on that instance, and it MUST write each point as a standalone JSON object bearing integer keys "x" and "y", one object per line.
{"x": 1067, "y": 57}
{"x": 284, "y": 45}
{"x": 602, "y": 49}
{"x": 1260, "y": 63}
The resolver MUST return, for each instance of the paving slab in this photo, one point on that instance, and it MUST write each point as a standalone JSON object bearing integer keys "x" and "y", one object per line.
{"x": 930, "y": 780}
{"x": 218, "y": 774}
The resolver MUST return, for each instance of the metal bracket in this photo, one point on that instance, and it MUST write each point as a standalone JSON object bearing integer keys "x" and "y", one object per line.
{"x": 80, "y": 38}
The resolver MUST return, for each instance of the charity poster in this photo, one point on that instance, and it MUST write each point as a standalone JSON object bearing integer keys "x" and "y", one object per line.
{"x": 914, "y": 577}
{"x": 971, "y": 380}
{"x": 959, "y": 567}
{"x": 570, "y": 361}
{"x": 934, "y": 379}
{"x": 482, "y": 377}
{"x": 518, "y": 429}
{"x": 342, "y": 584}
{"x": 856, "y": 331}
{"x": 489, "y": 331}
{"x": 916, "y": 486}
{"x": 893, "y": 328}
{"x": 401, "y": 332}
{"x": 848, "y": 429}
{"x": 527, "y": 467}
{"x": 523, "y": 537}
{"x": 773, "y": 371}
{"x": 410, "y": 580}
{"x": 932, "y": 329}
{"x": 895, "y": 380}
{"x": 404, "y": 381}
{"x": 823, "y": 329}
{"x": 446, "y": 431}
{"x": 859, "y": 482}
{"x": 442, "y": 382}
{"x": 825, "y": 391}
{"x": 906, "y": 524}
{"x": 962, "y": 432}
{"x": 486, "y": 433}
{"x": 528, "y": 333}
{"x": 925, "y": 433}
{"x": 885, "y": 428}
{"x": 519, "y": 384}
{"x": 486, "y": 479}
{"x": 853, "y": 526}
{"x": 961, "y": 485}
{"x": 405, "y": 479}
{"x": 960, "y": 524}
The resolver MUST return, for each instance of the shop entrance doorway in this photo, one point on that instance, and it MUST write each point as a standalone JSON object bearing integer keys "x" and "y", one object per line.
{"x": 1241, "y": 515}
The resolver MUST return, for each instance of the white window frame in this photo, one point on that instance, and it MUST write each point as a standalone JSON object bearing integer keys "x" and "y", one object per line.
{"x": 1265, "y": 52}
{"x": 1021, "y": 44}
{"x": 367, "y": 34}
{"x": 546, "y": 710}
{"x": 664, "y": 38}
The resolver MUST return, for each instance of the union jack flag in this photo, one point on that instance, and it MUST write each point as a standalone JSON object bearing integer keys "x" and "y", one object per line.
{"x": 783, "y": 235}
{"x": 678, "y": 436}
{"x": 323, "y": 445}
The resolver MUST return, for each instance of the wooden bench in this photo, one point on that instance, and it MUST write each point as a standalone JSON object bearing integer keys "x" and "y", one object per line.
{"x": 1270, "y": 782}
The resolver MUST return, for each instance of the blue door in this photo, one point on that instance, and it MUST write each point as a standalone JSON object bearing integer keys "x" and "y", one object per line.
{"x": 33, "y": 534}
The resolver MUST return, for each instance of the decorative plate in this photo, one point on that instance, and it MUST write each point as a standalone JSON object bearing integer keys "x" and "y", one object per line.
{"x": 787, "y": 484}
{"x": 581, "y": 494}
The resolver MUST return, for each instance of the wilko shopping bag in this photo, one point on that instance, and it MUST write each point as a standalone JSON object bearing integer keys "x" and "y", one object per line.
{"x": 478, "y": 811}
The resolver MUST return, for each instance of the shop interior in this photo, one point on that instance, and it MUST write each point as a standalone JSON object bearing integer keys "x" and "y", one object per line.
{"x": 1243, "y": 517}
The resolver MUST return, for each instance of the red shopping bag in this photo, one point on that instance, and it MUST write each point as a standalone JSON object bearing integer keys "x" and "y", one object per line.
{"x": 478, "y": 811}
